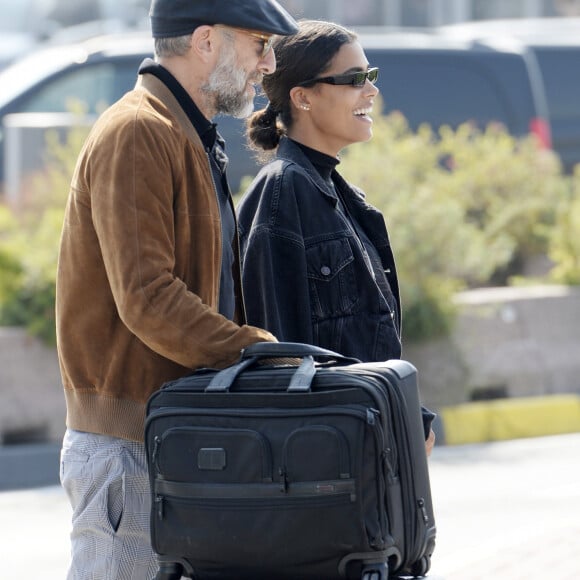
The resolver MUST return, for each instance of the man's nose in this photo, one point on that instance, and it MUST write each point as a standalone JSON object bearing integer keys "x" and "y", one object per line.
{"x": 267, "y": 64}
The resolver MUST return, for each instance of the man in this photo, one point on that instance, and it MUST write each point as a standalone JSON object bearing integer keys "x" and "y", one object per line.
{"x": 148, "y": 283}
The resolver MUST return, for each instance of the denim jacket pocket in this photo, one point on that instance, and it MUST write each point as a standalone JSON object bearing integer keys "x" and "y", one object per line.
{"x": 331, "y": 278}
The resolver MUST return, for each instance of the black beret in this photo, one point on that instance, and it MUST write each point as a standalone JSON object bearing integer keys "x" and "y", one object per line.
{"x": 180, "y": 17}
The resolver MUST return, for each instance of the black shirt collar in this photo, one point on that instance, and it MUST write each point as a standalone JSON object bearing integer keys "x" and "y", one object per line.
{"x": 206, "y": 130}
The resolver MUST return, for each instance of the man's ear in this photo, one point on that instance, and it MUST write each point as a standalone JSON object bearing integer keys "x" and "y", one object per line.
{"x": 203, "y": 41}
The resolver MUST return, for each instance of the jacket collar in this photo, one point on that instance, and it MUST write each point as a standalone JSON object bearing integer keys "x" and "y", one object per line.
{"x": 289, "y": 151}
{"x": 366, "y": 215}
{"x": 205, "y": 128}
{"x": 158, "y": 89}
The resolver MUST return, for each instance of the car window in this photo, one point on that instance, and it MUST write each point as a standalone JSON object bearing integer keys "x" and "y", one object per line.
{"x": 96, "y": 86}
{"x": 126, "y": 73}
{"x": 441, "y": 90}
{"x": 560, "y": 69}
{"x": 33, "y": 71}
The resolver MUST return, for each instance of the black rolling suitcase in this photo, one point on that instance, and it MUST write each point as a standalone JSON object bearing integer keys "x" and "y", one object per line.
{"x": 313, "y": 472}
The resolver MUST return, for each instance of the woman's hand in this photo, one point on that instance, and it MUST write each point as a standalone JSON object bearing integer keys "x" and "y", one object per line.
{"x": 430, "y": 443}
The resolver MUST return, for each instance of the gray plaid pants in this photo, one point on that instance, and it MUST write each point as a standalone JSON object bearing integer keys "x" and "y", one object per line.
{"x": 106, "y": 481}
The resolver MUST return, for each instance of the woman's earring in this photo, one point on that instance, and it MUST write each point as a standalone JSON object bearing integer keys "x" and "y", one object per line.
{"x": 305, "y": 107}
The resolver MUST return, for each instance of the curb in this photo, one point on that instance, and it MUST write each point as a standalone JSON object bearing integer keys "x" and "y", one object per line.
{"x": 504, "y": 419}
{"x": 26, "y": 466}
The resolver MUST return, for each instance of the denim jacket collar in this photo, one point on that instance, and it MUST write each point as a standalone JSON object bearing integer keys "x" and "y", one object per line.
{"x": 289, "y": 151}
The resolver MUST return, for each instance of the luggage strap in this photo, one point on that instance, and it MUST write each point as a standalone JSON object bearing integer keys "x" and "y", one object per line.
{"x": 301, "y": 380}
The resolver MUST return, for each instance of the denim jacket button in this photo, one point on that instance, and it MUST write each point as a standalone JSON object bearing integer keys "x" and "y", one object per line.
{"x": 325, "y": 270}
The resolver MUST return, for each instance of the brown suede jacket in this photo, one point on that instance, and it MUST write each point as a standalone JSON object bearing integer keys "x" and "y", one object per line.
{"x": 139, "y": 265}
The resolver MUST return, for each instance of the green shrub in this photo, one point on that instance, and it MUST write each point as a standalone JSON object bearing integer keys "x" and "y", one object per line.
{"x": 11, "y": 270}
{"x": 564, "y": 237}
{"x": 30, "y": 265}
{"x": 30, "y": 239}
{"x": 463, "y": 207}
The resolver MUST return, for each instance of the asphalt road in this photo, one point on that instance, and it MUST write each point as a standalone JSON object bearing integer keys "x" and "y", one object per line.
{"x": 505, "y": 511}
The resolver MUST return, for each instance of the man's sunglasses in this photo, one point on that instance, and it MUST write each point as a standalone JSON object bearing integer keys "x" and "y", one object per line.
{"x": 355, "y": 79}
{"x": 266, "y": 39}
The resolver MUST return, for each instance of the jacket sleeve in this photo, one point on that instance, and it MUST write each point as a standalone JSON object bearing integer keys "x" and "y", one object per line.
{"x": 135, "y": 221}
{"x": 274, "y": 273}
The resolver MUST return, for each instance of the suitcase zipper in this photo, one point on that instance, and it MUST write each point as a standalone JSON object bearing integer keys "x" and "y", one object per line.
{"x": 207, "y": 493}
{"x": 415, "y": 542}
{"x": 358, "y": 412}
{"x": 372, "y": 416}
{"x": 159, "y": 506}
{"x": 418, "y": 508}
{"x": 323, "y": 493}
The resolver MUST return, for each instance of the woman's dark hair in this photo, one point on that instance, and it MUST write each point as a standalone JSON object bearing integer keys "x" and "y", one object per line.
{"x": 299, "y": 57}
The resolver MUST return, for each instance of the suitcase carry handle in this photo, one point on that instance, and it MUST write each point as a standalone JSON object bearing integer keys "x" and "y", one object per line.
{"x": 293, "y": 350}
{"x": 302, "y": 378}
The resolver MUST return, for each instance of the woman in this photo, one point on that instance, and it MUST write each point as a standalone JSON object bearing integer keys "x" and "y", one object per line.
{"x": 317, "y": 263}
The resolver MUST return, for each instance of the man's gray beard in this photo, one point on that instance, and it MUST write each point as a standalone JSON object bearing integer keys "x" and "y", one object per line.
{"x": 227, "y": 87}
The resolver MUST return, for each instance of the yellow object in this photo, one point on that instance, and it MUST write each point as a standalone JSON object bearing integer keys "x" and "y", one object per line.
{"x": 503, "y": 419}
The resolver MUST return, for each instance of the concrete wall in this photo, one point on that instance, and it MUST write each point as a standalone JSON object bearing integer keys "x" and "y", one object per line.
{"x": 525, "y": 341}
{"x": 32, "y": 407}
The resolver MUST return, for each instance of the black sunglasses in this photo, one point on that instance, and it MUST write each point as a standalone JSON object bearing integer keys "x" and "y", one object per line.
{"x": 355, "y": 79}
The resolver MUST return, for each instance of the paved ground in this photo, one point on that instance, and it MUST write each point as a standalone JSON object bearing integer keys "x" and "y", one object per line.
{"x": 505, "y": 511}
{"x": 508, "y": 511}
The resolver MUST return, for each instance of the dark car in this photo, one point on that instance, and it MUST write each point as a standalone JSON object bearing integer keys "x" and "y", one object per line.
{"x": 95, "y": 72}
{"x": 428, "y": 78}
{"x": 440, "y": 81}
{"x": 560, "y": 66}
{"x": 555, "y": 45}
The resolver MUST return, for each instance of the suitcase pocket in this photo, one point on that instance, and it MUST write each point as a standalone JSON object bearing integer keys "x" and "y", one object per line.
{"x": 213, "y": 455}
{"x": 316, "y": 452}
{"x": 296, "y": 491}
{"x": 312, "y": 521}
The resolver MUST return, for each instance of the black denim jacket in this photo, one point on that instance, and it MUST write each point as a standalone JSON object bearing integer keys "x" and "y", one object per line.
{"x": 304, "y": 271}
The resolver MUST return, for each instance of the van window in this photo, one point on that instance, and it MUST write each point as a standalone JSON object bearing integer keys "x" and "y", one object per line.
{"x": 446, "y": 89}
{"x": 559, "y": 67}
{"x": 443, "y": 94}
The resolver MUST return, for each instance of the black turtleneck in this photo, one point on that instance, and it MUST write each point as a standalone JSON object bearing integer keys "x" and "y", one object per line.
{"x": 323, "y": 163}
